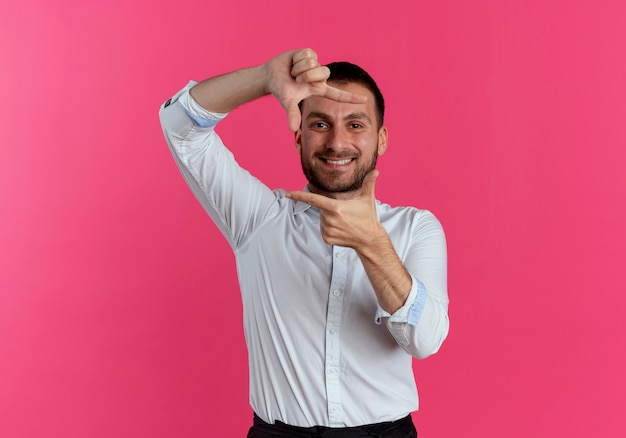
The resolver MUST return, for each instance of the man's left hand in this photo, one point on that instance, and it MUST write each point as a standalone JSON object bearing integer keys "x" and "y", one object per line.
{"x": 351, "y": 223}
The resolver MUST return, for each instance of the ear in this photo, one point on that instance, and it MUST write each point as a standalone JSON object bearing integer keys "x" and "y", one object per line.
{"x": 383, "y": 137}
{"x": 298, "y": 138}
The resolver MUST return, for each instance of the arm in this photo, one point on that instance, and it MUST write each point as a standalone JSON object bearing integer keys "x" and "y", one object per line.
{"x": 412, "y": 296}
{"x": 225, "y": 190}
{"x": 390, "y": 279}
{"x": 422, "y": 324}
{"x": 291, "y": 77}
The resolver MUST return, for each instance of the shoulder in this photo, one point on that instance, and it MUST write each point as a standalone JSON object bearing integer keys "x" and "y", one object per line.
{"x": 411, "y": 227}
{"x": 388, "y": 213}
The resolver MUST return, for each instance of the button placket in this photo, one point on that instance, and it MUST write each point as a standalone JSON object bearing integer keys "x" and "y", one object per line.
{"x": 333, "y": 324}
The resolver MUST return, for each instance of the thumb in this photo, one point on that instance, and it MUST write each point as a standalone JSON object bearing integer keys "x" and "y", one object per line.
{"x": 369, "y": 183}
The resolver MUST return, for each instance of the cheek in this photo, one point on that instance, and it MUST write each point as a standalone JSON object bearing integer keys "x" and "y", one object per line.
{"x": 307, "y": 144}
{"x": 367, "y": 146}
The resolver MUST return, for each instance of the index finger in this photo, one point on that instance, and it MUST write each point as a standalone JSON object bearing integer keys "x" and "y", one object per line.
{"x": 319, "y": 201}
{"x": 342, "y": 95}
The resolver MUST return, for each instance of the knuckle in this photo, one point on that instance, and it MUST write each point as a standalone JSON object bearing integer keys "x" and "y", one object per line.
{"x": 310, "y": 64}
{"x": 309, "y": 53}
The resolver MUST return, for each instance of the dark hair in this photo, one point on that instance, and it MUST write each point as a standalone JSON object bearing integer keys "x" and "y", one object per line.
{"x": 343, "y": 72}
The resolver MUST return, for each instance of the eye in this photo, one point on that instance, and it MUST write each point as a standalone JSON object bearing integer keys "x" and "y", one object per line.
{"x": 355, "y": 125}
{"x": 319, "y": 125}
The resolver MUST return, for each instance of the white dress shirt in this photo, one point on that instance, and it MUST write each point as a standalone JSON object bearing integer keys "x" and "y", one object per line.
{"x": 321, "y": 350}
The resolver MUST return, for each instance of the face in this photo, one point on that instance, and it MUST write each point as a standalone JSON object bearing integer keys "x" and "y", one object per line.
{"x": 339, "y": 143}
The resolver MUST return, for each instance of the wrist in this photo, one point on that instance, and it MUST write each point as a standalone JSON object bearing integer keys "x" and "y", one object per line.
{"x": 376, "y": 243}
{"x": 264, "y": 74}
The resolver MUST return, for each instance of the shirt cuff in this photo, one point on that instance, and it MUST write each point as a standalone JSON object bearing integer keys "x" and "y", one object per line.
{"x": 411, "y": 312}
{"x": 200, "y": 116}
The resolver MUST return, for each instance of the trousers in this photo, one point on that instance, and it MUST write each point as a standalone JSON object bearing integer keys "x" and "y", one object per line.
{"x": 402, "y": 428}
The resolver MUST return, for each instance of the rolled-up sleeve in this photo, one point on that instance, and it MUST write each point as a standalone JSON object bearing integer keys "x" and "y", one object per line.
{"x": 422, "y": 324}
{"x": 235, "y": 200}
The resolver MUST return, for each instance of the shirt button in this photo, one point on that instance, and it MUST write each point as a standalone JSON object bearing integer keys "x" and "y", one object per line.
{"x": 337, "y": 292}
{"x": 332, "y": 331}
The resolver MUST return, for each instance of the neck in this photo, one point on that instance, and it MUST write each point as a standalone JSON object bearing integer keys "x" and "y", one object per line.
{"x": 342, "y": 196}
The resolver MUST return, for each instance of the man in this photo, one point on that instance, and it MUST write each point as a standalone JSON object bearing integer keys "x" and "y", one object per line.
{"x": 339, "y": 290}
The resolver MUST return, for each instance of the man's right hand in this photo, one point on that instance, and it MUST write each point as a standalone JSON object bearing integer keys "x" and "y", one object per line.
{"x": 297, "y": 74}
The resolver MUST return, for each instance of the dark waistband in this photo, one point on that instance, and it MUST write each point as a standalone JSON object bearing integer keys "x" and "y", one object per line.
{"x": 280, "y": 429}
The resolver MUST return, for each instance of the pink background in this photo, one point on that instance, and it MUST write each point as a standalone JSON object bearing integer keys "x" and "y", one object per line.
{"x": 119, "y": 309}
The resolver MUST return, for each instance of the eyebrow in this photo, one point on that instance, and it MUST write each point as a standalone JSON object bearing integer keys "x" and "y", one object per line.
{"x": 358, "y": 115}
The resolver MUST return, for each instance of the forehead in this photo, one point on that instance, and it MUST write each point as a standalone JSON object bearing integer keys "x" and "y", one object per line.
{"x": 339, "y": 109}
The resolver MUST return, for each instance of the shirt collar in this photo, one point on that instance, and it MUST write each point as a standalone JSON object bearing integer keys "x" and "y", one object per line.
{"x": 299, "y": 206}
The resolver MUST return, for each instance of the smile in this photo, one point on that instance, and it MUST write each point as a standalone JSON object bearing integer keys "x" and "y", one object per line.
{"x": 338, "y": 162}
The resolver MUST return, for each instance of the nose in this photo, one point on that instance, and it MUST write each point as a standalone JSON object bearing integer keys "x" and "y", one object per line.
{"x": 337, "y": 140}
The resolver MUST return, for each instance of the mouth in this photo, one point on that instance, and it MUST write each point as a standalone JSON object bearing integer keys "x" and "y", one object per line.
{"x": 337, "y": 162}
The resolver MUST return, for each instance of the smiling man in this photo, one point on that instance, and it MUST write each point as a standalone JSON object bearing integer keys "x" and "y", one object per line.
{"x": 339, "y": 290}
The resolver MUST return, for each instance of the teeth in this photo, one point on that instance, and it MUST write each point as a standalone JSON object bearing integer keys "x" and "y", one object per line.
{"x": 339, "y": 162}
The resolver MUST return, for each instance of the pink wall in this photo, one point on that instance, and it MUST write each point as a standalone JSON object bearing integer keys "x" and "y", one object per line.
{"x": 119, "y": 310}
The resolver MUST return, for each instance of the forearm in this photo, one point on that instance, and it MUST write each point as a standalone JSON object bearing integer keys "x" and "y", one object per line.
{"x": 224, "y": 93}
{"x": 422, "y": 324}
{"x": 291, "y": 77}
{"x": 421, "y": 327}
{"x": 389, "y": 278}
